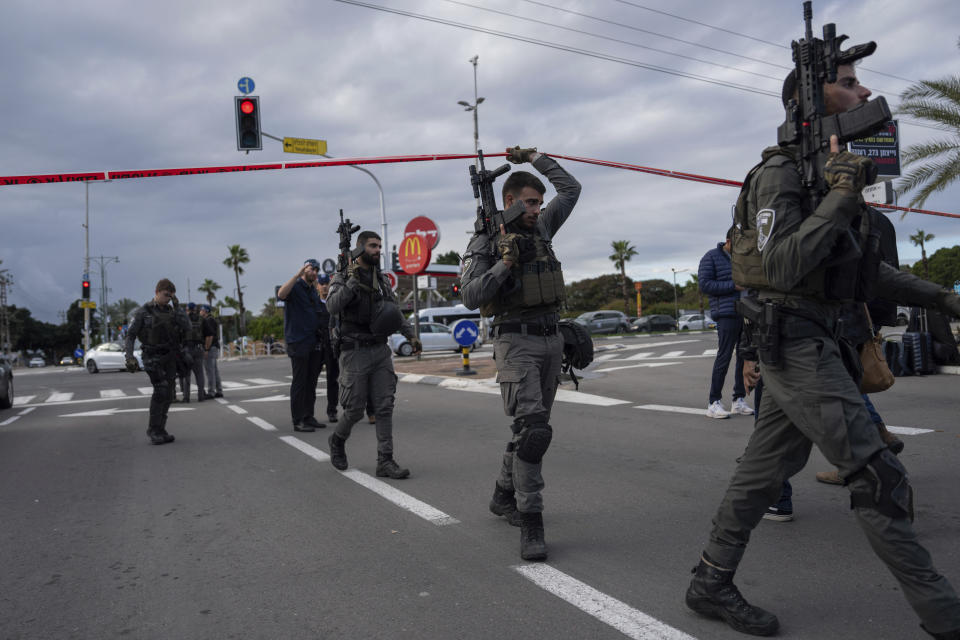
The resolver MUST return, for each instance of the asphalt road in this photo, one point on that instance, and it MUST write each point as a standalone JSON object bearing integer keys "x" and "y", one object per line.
{"x": 242, "y": 529}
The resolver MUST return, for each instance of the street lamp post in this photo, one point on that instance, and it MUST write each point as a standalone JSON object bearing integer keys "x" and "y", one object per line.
{"x": 676, "y": 305}
{"x": 86, "y": 262}
{"x": 473, "y": 107}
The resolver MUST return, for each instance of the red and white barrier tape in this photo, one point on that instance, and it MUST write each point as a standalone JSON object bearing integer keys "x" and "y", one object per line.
{"x": 339, "y": 162}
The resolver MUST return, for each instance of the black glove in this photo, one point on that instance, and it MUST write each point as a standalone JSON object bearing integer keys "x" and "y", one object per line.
{"x": 516, "y": 155}
{"x": 848, "y": 171}
{"x": 132, "y": 365}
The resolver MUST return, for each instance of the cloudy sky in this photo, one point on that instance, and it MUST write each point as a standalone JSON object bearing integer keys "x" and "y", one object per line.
{"x": 101, "y": 85}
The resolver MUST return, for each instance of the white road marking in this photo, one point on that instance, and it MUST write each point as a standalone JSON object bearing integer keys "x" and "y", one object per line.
{"x": 637, "y": 366}
{"x": 908, "y": 431}
{"x": 639, "y": 356}
{"x": 263, "y": 424}
{"x": 221, "y": 400}
{"x": 145, "y": 390}
{"x": 268, "y": 399}
{"x": 302, "y": 446}
{"x": 26, "y": 411}
{"x": 619, "y": 615}
{"x": 606, "y": 356}
{"x": 710, "y": 352}
{"x": 663, "y": 407}
{"x": 236, "y": 409}
{"x": 672, "y": 354}
{"x": 112, "y": 393}
{"x": 399, "y": 498}
{"x": 10, "y": 420}
{"x": 229, "y": 384}
{"x": 261, "y": 381}
{"x": 563, "y": 395}
{"x": 20, "y": 400}
{"x": 112, "y": 411}
{"x": 60, "y": 397}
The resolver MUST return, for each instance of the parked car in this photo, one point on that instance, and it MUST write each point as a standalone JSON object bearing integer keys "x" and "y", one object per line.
{"x": 696, "y": 321}
{"x": 604, "y": 321}
{"x": 433, "y": 335}
{"x": 655, "y": 322}
{"x": 66, "y": 361}
{"x": 37, "y": 361}
{"x": 107, "y": 356}
{"x": 6, "y": 382}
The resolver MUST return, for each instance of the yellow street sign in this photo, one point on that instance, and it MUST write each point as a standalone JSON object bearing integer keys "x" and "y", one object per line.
{"x": 305, "y": 145}
{"x": 88, "y": 304}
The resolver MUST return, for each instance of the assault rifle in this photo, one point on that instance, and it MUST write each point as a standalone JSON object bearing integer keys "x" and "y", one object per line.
{"x": 489, "y": 218}
{"x": 346, "y": 229}
{"x": 807, "y": 122}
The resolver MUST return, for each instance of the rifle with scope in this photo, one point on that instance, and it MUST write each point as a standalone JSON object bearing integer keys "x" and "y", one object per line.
{"x": 346, "y": 229}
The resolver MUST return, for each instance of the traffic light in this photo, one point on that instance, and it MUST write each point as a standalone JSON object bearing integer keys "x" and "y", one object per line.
{"x": 85, "y": 293}
{"x": 247, "y": 111}
{"x": 455, "y": 290}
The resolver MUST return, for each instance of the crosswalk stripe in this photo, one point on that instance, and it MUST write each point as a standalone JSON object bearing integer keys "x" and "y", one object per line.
{"x": 18, "y": 400}
{"x": 145, "y": 390}
{"x": 663, "y": 407}
{"x": 261, "y": 381}
{"x": 672, "y": 354}
{"x": 112, "y": 393}
{"x": 710, "y": 352}
{"x": 228, "y": 384}
{"x": 59, "y": 397}
{"x": 639, "y": 356}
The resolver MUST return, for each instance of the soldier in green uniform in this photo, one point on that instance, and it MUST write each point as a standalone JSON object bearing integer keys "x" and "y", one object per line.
{"x": 159, "y": 325}
{"x": 368, "y": 315}
{"x": 523, "y": 290}
{"x": 801, "y": 264}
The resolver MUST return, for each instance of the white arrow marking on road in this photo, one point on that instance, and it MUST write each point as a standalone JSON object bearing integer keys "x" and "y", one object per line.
{"x": 110, "y": 412}
{"x": 619, "y": 615}
{"x": 663, "y": 407}
{"x": 563, "y": 395}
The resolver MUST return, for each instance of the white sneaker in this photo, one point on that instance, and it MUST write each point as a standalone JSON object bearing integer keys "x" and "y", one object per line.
{"x": 741, "y": 407}
{"x": 716, "y": 410}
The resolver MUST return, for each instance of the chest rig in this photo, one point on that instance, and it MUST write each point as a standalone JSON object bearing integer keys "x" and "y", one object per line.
{"x": 537, "y": 282}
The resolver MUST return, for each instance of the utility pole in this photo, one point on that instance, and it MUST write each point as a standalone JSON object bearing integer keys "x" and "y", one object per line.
{"x": 6, "y": 280}
{"x": 473, "y": 107}
{"x": 103, "y": 261}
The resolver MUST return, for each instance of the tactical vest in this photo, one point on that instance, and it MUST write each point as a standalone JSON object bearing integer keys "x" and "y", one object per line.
{"x": 537, "y": 283}
{"x": 196, "y": 329}
{"x": 159, "y": 328}
{"x": 849, "y": 273}
{"x": 356, "y": 317}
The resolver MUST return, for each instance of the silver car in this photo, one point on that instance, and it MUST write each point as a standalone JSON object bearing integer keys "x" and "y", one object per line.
{"x": 108, "y": 356}
{"x": 433, "y": 335}
{"x": 696, "y": 321}
{"x": 604, "y": 321}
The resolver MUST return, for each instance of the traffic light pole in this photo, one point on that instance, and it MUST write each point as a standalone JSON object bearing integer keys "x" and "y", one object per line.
{"x": 86, "y": 269}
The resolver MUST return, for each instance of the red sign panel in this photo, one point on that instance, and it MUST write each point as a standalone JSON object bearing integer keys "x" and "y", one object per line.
{"x": 413, "y": 254}
{"x": 425, "y": 228}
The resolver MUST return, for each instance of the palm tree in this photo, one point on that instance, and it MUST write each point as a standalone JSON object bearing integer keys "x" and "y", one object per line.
{"x": 918, "y": 239}
{"x": 238, "y": 256}
{"x": 622, "y": 252}
{"x": 938, "y": 102}
{"x": 209, "y": 287}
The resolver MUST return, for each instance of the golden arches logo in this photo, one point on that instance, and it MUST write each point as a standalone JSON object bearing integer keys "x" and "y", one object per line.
{"x": 412, "y": 246}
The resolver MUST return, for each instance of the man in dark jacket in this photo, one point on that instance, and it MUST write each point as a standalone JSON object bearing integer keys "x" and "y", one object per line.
{"x": 301, "y": 318}
{"x": 715, "y": 276}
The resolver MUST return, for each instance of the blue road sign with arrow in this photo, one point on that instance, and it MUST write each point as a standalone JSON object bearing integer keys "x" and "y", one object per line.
{"x": 246, "y": 85}
{"x": 465, "y": 332}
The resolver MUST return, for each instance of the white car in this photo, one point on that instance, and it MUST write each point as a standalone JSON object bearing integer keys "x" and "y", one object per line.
{"x": 108, "y": 356}
{"x": 37, "y": 361}
{"x": 433, "y": 335}
{"x": 696, "y": 321}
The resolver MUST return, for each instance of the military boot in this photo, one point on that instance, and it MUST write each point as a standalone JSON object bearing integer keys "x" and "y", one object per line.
{"x": 156, "y": 437}
{"x": 504, "y": 503}
{"x": 167, "y": 438}
{"x": 713, "y": 594}
{"x": 943, "y": 635}
{"x": 388, "y": 468}
{"x": 893, "y": 443}
{"x": 532, "y": 544}
{"x": 338, "y": 452}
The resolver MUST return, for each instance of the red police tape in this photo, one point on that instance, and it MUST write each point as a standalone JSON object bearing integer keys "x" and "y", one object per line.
{"x": 340, "y": 162}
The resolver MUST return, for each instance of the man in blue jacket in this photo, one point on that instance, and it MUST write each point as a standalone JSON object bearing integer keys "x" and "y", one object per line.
{"x": 716, "y": 280}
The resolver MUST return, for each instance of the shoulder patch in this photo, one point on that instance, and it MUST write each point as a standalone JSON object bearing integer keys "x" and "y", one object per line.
{"x": 765, "y": 220}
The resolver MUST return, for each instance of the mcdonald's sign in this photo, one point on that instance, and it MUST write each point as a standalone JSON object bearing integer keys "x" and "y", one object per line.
{"x": 414, "y": 254}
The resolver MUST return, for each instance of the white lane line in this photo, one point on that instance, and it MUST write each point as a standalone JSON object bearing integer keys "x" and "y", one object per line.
{"x": 663, "y": 407}
{"x": 112, "y": 393}
{"x": 26, "y": 411}
{"x": 145, "y": 390}
{"x": 401, "y": 499}
{"x": 672, "y": 354}
{"x": 263, "y": 424}
{"x": 563, "y": 395}
{"x": 606, "y": 356}
{"x": 19, "y": 400}
{"x": 651, "y": 365}
{"x": 302, "y": 446}
{"x": 10, "y": 420}
{"x": 221, "y": 400}
{"x": 631, "y": 347}
{"x": 227, "y": 384}
{"x": 619, "y": 615}
{"x": 639, "y": 356}
{"x": 60, "y": 397}
{"x": 268, "y": 399}
{"x": 236, "y": 409}
{"x": 710, "y": 352}
{"x": 908, "y": 431}
{"x": 261, "y": 381}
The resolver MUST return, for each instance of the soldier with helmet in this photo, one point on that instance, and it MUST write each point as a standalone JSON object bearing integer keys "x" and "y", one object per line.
{"x": 159, "y": 325}
{"x": 368, "y": 315}
{"x": 516, "y": 278}
{"x": 193, "y": 354}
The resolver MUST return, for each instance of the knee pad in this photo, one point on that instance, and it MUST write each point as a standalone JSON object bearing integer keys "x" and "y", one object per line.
{"x": 534, "y": 441}
{"x": 890, "y": 490}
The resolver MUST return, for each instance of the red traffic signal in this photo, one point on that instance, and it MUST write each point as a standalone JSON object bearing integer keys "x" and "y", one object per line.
{"x": 85, "y": 290}
{"x": 247, "y": 117}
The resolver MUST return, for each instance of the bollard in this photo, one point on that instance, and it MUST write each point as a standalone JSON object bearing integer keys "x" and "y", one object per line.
{"x": 466, "y": 371}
